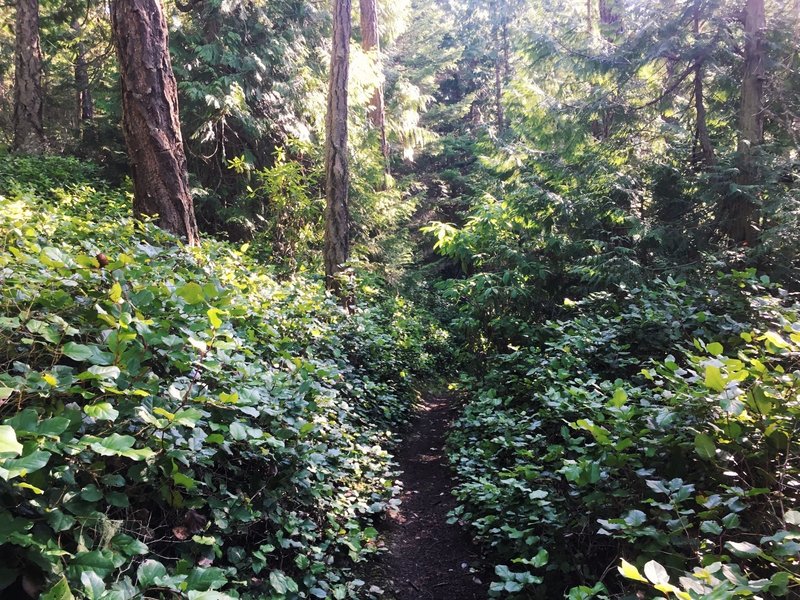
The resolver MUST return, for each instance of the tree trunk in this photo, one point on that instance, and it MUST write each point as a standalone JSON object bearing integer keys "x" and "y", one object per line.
{"x": 701, "y": 133}
{"x": 703, "y": 138}
{"x": 610, "y": 19}
{"x": 150, "y": 117}
{"x": 498, "y": 95}
{"x": 337, "y": 181}
{"x": 83, "y": 95}
{"x": 28, "y": 129}
{"x": 741, "y": 209}
{"x": 370, "y": 42}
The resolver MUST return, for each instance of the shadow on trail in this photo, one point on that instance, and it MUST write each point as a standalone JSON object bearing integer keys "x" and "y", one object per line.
{"x": 428, "y": 559}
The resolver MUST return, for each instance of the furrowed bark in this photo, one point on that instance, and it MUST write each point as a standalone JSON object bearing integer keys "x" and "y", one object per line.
{"x": 150, "y": 117}
{"x": 28, "y": 128}
{"x": 337, "y": 220}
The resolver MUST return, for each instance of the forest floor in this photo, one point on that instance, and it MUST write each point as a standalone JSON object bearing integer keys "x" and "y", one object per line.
{"x": 427, "y": 558}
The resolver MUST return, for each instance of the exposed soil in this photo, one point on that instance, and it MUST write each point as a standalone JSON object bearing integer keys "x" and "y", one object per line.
{"x": 426, "y": 558}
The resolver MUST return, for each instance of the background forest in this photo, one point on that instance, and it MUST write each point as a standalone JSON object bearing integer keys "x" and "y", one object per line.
{"x": 579, "y": 216}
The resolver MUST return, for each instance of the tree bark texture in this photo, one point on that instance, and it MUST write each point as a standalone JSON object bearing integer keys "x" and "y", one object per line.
{"x": 150, "y": 117}
{"x": 337, "y": 179}
{"x": 28, "y": 129}
{"x": 370, "y": 42}
{"x": 740, "y": 211}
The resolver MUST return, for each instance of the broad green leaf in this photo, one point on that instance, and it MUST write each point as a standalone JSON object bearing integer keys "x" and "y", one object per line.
{"x": 101, "y": 410}
{"x": 60, "y": 591}
{"x": 704, "y": 446}
{"x": 192, "y": 293}
{"x": 714, "y": 378}
{"x": 20, "y": 467}
{"x": 743, "y": 549}
{"x": 775, "y": 339}
{"x": 8, "y": 441}
{"x": 714, "y": 348}
{"x": 116, "y": 292}
{"x": 213, "y": 318}
{"x": 148, "y": 572}
{"x": 77, "y": 351}
{"x": 619, "y": 398}
{"x": 93, "y": 585}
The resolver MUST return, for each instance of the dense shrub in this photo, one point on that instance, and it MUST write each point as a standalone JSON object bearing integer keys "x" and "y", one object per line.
{"x": 175, "y": 422}
{"x": 650, "y": 425}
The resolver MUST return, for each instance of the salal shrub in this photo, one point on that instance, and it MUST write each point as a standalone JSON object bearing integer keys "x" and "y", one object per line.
{"x": 174, "y": 422}
{"x": 654, "y": 425}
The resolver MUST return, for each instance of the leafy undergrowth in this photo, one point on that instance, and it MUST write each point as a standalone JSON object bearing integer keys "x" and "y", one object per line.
{"x": 173, "y": 421}
{"x": 647, "y": 441}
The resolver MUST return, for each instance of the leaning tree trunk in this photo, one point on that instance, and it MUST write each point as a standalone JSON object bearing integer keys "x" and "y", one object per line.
{"x": 28, "y": 130}
{"x": 150, "y": 117}
{"x": 337, "y": 179}
{"x": 370, "y": 42}
{"x": 740, "y": 211}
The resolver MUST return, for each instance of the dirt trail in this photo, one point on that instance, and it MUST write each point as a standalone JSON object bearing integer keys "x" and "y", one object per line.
{"x": 428, "y": 559}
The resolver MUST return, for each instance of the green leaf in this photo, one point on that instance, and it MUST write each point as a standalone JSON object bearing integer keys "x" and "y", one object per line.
{"x": 201, "y": 579}
{"x": 104, "y": 372}
{"x": 619, "y": 398}
{"x": 213, "y": 318}
{"x": 714, "y": 348}
{"x": 743, "y": 549}
{"x": 148, "y": 572}
{"x": 101, "y": 410}
{"x": 278, "y": 582}
{"x": 93, "y": 585}
{"x": 714, "y": 378}
{"x": 704, "y": 446}
{"x": 16, "y": 467}
{"x": 77, "y": 351}
{"x": 128, "y": 545}
{"x": 792, "y": 517}
{"x": 8, "y": 441}
{"x": 99, "y": 561}
{"x": 116, "y": 292}
{"x": 192, "y": 293}
{"x": 120, "y": 445}
{"x": 60, "y": 591}
{"x": 775, "y": 339}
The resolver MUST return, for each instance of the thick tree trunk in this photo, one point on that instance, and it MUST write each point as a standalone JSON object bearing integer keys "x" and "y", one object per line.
{"x": 150, "y": 117}
{"x": 740, "y": 211}
{"x": 337, "y": 180}
{"x": 28, "y": 129}
{"x": 83, "y": 95}
{"x": 370, "y": 42}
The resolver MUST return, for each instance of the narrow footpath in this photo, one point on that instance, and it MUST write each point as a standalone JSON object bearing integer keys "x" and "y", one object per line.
{"x": 426, "y": 558}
